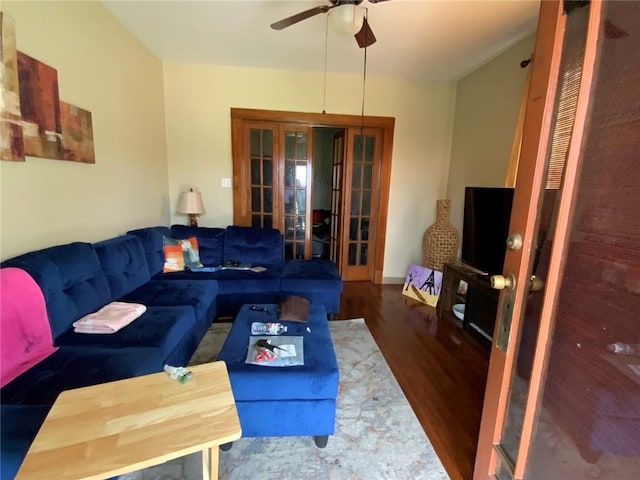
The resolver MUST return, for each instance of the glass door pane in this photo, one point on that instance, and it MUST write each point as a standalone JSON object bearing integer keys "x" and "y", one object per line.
{"x": 297, "y": 174}
{"x": 361, "y": 193}
{"x": 589, "y": 424}
{"x": 261, "y": 149}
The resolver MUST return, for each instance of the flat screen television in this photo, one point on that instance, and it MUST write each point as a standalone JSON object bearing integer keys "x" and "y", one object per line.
{"x": 487, "y": 212}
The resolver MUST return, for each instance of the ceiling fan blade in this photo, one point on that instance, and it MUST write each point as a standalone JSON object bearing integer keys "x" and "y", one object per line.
{"x": 365, "y": 36}
{"x": 287, "y": 22}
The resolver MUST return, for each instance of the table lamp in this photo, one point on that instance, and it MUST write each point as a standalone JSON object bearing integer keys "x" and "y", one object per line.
{"x": 191, "y": 204}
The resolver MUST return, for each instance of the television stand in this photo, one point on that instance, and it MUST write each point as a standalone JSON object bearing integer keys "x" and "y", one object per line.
{"x": 480, "y": 300}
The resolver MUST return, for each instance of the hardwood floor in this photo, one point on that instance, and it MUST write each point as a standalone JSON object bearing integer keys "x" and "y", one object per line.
{"x": 440, "y": 368}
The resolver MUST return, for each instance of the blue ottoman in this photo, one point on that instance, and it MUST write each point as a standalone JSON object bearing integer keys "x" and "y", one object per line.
{"x": 316, "y": 280}
{"x": 284, "y": 401}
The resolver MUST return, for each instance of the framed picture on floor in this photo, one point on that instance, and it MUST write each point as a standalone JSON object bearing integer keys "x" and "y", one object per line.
{"x": 422, "y": 284}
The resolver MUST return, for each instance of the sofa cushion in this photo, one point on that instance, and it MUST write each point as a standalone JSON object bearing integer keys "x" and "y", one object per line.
{"x": 26, "y": 333}
{"x": 210, "y": 242}
{"x": 18, "y": 428}
{"x": 124, "y": 263}
{"x": 309, "y": 275}
{"x": 151, "y": 239}
{"x": 159, "y": 327}
{"x": 246, "y": 281}
{"x": 239, "y": 287}
{"x": 71, "y": 279}
{"x": 79, "y": 367}
{"x": 316, "y": 280}
{"x": 199, "y": 294}
{"x": 180, "y": 254}
{"x": 255, "y": 246}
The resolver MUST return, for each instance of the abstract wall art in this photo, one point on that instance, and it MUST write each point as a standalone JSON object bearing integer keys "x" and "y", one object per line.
{"x": 33, "y": 119}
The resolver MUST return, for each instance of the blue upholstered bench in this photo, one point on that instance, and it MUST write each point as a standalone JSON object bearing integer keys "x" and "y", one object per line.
{"x": 284, "y": 401}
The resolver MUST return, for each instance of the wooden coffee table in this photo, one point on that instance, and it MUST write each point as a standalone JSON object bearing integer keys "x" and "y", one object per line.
{"x": 118, "y": 427}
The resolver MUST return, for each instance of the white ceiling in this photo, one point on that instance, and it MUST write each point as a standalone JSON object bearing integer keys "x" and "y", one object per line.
{"x": 419, "y": 39}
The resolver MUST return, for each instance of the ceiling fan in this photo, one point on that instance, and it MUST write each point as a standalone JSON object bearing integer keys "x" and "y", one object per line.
{"x": 364, "y": 37}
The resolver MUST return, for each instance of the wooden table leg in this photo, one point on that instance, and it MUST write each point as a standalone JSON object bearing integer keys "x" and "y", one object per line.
{"x": 205, "y": 464}
{"x": 210, "y": 463}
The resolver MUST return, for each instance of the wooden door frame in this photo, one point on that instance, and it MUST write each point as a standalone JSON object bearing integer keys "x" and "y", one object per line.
{"x": 386, "y": 124}
{"x": 535, "y": 138}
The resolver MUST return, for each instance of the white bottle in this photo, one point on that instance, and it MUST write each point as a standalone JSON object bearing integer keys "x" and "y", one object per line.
{"x": 180, "y": 374}
{"x": 625, "y": 348}
{"x": 259, "y": 328}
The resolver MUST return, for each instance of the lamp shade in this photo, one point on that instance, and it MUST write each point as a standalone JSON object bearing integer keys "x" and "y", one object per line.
{"x": 346, "y": 18}
{"x": 191, "y": 203}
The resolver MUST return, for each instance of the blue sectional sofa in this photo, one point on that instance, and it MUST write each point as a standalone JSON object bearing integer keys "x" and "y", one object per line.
{"x": 316, "y": 280}
{"x": 79, "y": 278}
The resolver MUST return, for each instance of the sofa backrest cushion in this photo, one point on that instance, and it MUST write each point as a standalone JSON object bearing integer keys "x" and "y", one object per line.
{"x": 71, "y": 280}
{"x": 151, "y": 239}
{"x": 256, "y": 246}
{"x": 210, "y": 242}
{"x": 26, "y": 333}
{"x": 124, "y": 263}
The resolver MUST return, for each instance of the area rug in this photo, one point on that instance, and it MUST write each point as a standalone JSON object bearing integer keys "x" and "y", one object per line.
{"x": 377, "y": 434}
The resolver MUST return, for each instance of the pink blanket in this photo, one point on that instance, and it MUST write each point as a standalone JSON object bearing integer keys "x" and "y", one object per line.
{"x": 110, "y": 318}
{"x": 25, "y": 333}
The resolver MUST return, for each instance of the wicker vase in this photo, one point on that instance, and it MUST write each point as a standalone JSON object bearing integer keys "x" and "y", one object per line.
{"x": 440, "y": 241}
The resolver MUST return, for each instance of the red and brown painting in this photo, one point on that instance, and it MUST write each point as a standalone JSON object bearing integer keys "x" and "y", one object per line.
{"x": 33, "y": 120}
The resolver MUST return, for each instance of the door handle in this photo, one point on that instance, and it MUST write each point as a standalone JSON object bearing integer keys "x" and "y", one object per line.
{"x": 508, "y": 282}
{"x": 503, "y": 282}
{"x": 535, "y": 284}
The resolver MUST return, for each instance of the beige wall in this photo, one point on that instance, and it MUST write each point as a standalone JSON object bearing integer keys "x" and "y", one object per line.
{"x": 104, "y": 69}
{"x": 136, "y": 181}
{"x": 198, "y": 100}
{"x": 487, "y": 104}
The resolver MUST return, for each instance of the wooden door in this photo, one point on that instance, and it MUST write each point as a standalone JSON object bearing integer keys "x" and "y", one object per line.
{"x": 256, "y": 175}
{"x": 272, "y": 176}
{"x": 295, "y": 163}
{"x": 564, "y": 382}
{"x": 337, "y": 169}
{"x": 258, "y": 139}
{"x": 360, "y": 203}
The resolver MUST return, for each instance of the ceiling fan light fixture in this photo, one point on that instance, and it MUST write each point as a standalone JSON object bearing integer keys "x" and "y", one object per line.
{"x": 346, "y": 19}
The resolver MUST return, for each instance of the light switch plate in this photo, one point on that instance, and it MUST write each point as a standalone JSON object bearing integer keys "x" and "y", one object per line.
{"x": 226, "y": 182}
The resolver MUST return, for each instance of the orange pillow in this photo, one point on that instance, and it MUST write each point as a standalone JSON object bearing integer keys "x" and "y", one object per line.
{"x": 180, "y": 254}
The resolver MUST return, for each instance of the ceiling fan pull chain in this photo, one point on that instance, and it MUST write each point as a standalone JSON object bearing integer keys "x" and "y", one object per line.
{"x": 324, "y": 88}
{"x": 364, "y": 76}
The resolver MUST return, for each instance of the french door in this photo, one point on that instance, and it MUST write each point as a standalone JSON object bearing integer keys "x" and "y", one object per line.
{"x": 273, "y": 183}
{"x": 563, "y": 390}
{"x": 276, "y": 174}
{"x": 337, "y": 167}
{"x": 360, "y": 180}
{"x": 297, "y": 189}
